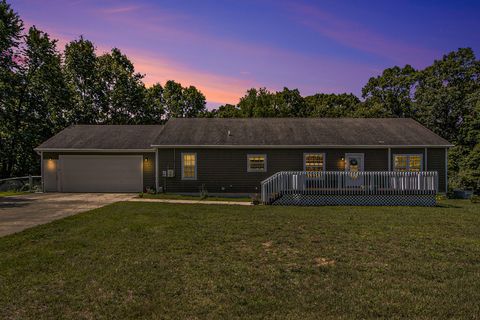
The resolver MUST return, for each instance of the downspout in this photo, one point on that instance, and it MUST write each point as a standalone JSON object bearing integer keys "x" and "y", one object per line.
{"x": 42, "y": 182}
{"x": 446, "y": 170}
{"x": 156, "y": 170}
{"x": 426, "y": 160}
{"x": 389, "y": 159}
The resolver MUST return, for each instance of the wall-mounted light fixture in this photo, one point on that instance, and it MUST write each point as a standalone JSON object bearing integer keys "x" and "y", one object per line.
{"x": 146, "y": 159}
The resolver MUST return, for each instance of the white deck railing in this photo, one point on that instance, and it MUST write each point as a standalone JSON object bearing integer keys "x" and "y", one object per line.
{"x": 349, "y": 183}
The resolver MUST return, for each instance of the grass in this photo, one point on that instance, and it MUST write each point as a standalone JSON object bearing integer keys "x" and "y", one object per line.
{"x": 150, "y": 260}
{"x": 173, "y": 196}
{"x": 12, "y": 193}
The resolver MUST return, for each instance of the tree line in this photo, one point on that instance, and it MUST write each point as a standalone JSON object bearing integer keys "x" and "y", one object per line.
{"x": 43, "y": 90}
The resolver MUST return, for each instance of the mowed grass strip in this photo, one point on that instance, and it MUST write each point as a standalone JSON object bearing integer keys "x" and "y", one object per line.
{"x": 149, "y": 260}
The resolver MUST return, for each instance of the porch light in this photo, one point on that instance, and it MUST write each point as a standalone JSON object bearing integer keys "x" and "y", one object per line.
{"x": 51, "y": 165}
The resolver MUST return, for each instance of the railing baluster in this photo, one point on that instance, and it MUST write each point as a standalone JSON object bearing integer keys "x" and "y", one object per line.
{"x": 345, "y": 183}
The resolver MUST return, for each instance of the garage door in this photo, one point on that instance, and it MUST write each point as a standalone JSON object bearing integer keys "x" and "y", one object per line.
{"x": 100, "y": 173}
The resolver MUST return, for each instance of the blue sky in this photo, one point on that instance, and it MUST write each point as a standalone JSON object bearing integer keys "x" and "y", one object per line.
{"x": 227, "y": 47}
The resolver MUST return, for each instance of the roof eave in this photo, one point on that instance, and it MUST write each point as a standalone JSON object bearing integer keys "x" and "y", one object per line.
{"x": 91, "y": 150}
{"x": 300, "y": 146}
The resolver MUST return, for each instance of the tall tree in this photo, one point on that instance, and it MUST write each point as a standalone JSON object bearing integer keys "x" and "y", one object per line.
{"x": 391, "y": 93}
{"x": 257, "y": 103}
{"x": 122, "y": 88}
{"x": 289, "y": 103}
{"x": 331, "y": 105}
{"x": 443, "y": 89}
{"x": 47, "y": 98}
{"x": 172, "y": 96}
{"x": 193, "y": 101}
{"x": 154, "y": 110}
{"x": 183, "y": 102}
{"x": 82, "y": 74}
{"x": 11, "y": 86}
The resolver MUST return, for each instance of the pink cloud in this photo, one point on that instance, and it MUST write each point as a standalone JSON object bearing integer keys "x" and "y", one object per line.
{"x": 357, "y": 36}
{"x": 124, "y": 9}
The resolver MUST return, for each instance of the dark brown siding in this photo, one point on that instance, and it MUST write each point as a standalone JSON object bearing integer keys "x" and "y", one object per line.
{"x": 148, "y": 165}
{"x": 225, "y": 170}
{"x": 436, "y": 162}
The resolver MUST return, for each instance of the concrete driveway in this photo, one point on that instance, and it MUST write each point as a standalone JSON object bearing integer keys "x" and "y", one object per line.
{"x": 21, "y": 212}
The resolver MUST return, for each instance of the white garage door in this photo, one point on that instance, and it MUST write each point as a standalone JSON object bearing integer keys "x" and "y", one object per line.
{"x": 100, "y": 173}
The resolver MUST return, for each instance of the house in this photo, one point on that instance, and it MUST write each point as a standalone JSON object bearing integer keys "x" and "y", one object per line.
{"x": 224, "y": 155}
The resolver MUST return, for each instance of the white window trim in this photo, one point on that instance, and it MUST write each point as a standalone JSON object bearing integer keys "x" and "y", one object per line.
{"x": 314, "y": 153}
{"x": 256, "y": 155}
{"x": 196, "y": 165}
{"x": 408, "y": 155}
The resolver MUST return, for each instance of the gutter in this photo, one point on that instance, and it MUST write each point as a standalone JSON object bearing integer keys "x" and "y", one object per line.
{"x": 91, "y": 150}
{"x": 300, "y": 146}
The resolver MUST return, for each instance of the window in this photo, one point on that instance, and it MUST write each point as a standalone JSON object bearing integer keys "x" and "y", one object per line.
{"x": 256, "y": 163}
{"x": 407, "y": 162}
{"x": 189, "y": 166}
{"x": 314, "y": 161}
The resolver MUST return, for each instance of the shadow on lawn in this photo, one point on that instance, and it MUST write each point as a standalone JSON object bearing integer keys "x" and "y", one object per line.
{"x": 12, "y": 202}
{"x": 447, "y": 205}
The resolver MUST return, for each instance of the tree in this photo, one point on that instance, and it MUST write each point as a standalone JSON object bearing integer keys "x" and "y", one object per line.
{"x": 443, "y": 89}
{"x": 257, "y": 103}
{"x": 122, "y": 88}
{"x": 82, "y": 74}
{"x": 154, "y": 110}
{"x": 227, "y": 111}
{"x": 47, "y": 97}
{"x": 193, "y": 101}
{"x": 172, "y": 97}
{"x": 11, "y": 28}
{"x": 331, "y": 105}
{"x": 391, "y": 93}
{"x": 289, "y": 103}
{"x": 182, "y": 102}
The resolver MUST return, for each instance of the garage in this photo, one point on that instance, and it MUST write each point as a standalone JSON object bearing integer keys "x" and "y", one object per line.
{"x": 100, "y": 158}
{"x": 100, "y": 173}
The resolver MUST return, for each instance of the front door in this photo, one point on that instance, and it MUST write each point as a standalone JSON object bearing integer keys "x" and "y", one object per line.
{"x": 354, "y": 163}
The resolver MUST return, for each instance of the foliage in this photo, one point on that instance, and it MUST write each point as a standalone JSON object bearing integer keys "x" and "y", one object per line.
{"x": 331, "y": 105}
{"x": 390, "y": 94}
{"x": 443, "y": 90}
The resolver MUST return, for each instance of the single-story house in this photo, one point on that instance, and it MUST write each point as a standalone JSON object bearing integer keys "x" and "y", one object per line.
{"x": 225, "y": 155}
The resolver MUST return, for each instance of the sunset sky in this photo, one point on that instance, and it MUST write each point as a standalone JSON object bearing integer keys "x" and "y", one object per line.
{"x": 227, "y": 47}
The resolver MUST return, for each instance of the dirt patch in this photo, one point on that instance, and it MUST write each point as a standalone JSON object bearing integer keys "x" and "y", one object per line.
{"x": 322, "y": 262}
{"x": 267, "y": 245}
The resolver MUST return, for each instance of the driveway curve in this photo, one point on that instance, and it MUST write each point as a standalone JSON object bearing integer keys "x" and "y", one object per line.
{"x": 18, "y": 213}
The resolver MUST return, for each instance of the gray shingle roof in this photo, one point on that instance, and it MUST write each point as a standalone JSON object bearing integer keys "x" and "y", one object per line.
{"x": 297, "y": 132}
{"x": 121, "y": 137}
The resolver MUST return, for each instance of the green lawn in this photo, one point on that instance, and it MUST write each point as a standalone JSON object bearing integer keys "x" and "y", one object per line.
{"x": 12, "y": 193}
{"x": 150, "y": 260}
{"x": 173, "y": 196}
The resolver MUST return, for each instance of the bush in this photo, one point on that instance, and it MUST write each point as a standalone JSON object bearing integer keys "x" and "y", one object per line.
{"x": 475, "y": 199}
{"x": 150, "y": 190}
{"x": 203, "y": 192}
{"x": 255, "y": 199}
